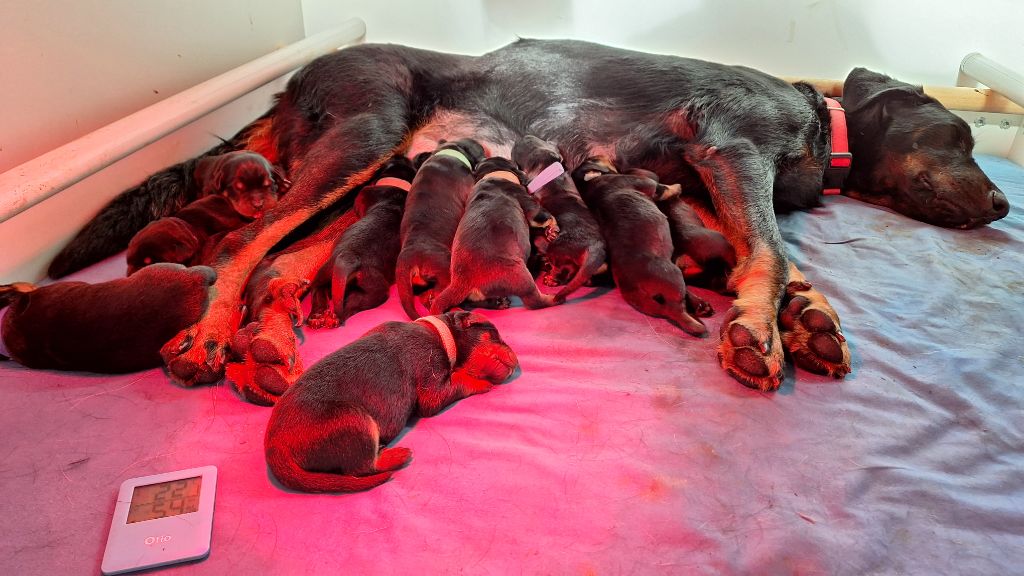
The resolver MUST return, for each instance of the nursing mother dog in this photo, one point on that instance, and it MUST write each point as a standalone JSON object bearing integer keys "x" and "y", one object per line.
{"x": 741, "y": 141}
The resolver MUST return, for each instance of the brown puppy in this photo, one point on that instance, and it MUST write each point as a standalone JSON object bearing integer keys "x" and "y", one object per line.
{"x": 640, "y": 243}
{"x": 326, "y": 432}
{"x": 187, "y": 237}
{"x": 245, "y": 178}
{"x": 111, "y": 327}
{"x": 362, "y": 266}
{"x": 704, "y": 255}
{"x": 578, "y": 252}
{"x": 492, "y": 243}
{"x": 432, "y": 212}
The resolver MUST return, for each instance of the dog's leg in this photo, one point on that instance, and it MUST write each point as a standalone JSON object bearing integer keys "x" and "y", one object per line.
{"x": 344, "y": 157}
{"x": 271, "y": 350}
{"x": 810, "y": 328}
{"x": 740, "y": 183}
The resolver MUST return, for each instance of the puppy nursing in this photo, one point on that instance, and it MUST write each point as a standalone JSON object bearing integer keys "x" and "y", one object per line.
{"x": 578, "y": 252}
{"x": 640, "y": 243}
{"x": 492, "y": 242}
{"x": 433, "y": 209}
{"x": 362, "y": 266}
{"x": 327, "y": 431}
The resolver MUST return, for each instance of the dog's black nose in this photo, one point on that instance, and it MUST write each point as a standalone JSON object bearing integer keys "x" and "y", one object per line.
{"x": 1000, "y": 205}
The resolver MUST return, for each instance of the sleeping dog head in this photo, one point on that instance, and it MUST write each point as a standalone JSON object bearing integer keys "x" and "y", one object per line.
{"x": 245, "y": 178}
{"x": 913, "y": 155}
{"x": 165, "y": 240}
{"x": 480, "y": 350}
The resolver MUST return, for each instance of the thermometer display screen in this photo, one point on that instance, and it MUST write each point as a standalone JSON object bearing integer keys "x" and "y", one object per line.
{"x": 172, "y": 498}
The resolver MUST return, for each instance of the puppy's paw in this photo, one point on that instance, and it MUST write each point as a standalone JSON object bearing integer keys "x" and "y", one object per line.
{"x": 197, "y": 354}
{"x": 751, "y": 350}
{"x": 811, "y": 332}
{"x": 551, "y": 230}
{"x": 698, "y": 306}
{"x": 323, "y": 319}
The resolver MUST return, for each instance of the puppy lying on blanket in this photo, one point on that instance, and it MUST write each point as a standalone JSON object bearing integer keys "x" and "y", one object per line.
{"x": 326, "y": 432}
{"x": 246, "y": 179}
{"x": 492, "y": 242}
{"x": 111, "y": 327}
{"x": 432, "y": 212}
{"x": 640, "y": 244}
{"x": 187, "y": 237}
{"x": 578, "y": 252}
{"x": 362, "y": 265}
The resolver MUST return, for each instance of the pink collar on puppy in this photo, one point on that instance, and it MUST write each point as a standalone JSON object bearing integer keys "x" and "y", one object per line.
{"x": 395, "y": 182}
{"x": 502, "y": 175}
{"x": 446, "y": 336}
{"x": 546, "y": 175}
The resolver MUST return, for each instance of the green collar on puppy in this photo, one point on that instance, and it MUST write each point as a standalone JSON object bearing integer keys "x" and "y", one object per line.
{"x": 446, "y": 336}
{"x": 455, "y": 154}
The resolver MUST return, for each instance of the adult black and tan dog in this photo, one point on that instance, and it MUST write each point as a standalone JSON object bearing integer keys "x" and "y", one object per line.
{"x": 744, "y": 141}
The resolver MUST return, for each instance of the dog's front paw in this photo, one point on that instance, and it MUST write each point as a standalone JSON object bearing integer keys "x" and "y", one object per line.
{"x": 811, "y": 332}
{"x": 751, "y": 350}
{"x": 551, "y": 230}
{"x": 196, "y": 355}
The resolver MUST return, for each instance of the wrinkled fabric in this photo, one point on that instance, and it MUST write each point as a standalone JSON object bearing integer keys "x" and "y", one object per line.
{"x": 620, "y": 448}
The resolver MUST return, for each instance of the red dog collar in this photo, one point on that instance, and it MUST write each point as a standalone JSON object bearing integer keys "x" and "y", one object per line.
{"x": 394, "y": 182}
{"x": 840, "y": 158}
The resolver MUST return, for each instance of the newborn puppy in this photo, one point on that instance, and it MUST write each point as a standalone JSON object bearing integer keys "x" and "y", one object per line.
{"x": 579, "y": 251}
{"x": 326, "y": 432}
{"x": 185, "y": 238}
{"x": 705, "y": 256}
{"x": 432, "y": 212}
{"x": 362, "y": 266}
{"x": 492, "y": 242}
{"x": 112, "y": 327}
{"x": 244, "y": 178}
{"x": 640, "y": 243}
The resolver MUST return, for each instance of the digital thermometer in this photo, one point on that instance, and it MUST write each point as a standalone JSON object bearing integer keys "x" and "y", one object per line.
{"x": 161, "y": 519}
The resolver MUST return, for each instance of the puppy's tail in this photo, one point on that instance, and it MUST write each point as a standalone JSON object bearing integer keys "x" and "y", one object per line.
{"x": 592, "y": 262}
{"x": 11, "y": 293}
{"x": 289, "y": 473}
{"x": 162, "y": 194}
{"x": 451, "y": 296}
{"x": 341, "y": 278}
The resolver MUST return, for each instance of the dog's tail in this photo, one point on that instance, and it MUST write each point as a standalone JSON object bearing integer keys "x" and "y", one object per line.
{"x": 592, "y": 262}
{"x": 289, "y": 473}
{"x": 453, "y": 295}
{"x": 407, "y": 276}
{"x": 11, "y": 293}
{"x": 162, "y": 194}
{"x": 341, "y": 278}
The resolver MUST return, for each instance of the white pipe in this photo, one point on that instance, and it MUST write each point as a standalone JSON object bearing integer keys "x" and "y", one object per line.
{"x": 30, "y": 183}
{"x": 1007, "y": 82}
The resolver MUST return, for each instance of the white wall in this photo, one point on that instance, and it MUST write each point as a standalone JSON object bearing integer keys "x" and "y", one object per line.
{"x": 69, "y": 67}
{"x": 918, "y": 41}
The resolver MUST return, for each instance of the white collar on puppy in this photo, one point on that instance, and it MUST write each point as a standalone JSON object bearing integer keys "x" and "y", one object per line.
{"x": 447, "y": 339}
{"x": 545, "y": 176}
{"x": 502, "y": 175}
{"x": 395, "y": 182}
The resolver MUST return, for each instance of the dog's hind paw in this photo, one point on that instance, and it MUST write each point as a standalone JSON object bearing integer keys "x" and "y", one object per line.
{"x": 751, "y": 352}
{"x": 323, "y": 319}
{"x": 811, "y": 331}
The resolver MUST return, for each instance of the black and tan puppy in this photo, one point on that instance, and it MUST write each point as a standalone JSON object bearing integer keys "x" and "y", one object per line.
{"x": 578, "y": 252}
{"x": 640, "y": 243}
{"x": 362, "y": 266}
{"x": 246, "y": 179}
{"x": 704, "y": 255}
{"x": 433, "y": 209}
{"x": 111, "y": 327}
{"x": 327, "y": 431}
{"x": 187, "y": 237}
{"x": 492, "y": 242}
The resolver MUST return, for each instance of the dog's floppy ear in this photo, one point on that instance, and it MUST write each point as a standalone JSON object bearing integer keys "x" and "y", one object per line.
{"x": 864, "y": 88}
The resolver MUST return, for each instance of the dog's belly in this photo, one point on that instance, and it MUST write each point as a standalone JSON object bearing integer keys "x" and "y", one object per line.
{"x": 446, "y": 125}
